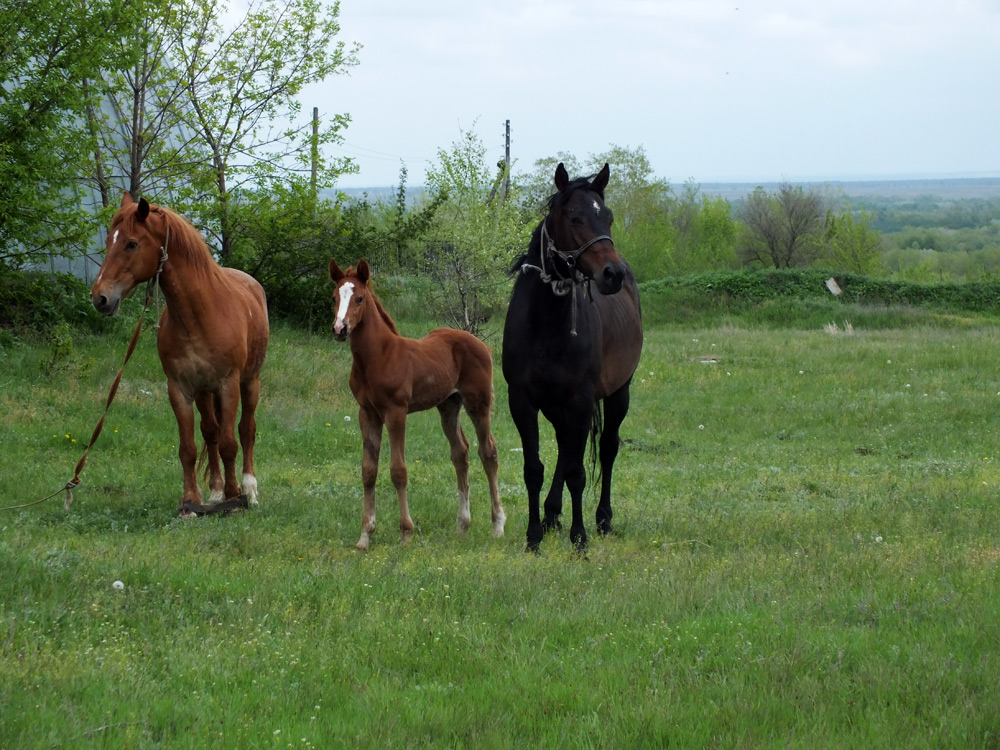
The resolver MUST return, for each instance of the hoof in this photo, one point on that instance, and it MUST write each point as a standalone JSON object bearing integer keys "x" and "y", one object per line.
{"x": 551, "y": 523}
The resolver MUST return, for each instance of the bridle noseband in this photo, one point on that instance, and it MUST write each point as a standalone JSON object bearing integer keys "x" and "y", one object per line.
{"x": 561, "y": 286}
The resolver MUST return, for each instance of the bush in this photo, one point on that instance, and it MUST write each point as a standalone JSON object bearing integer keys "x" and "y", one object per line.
{"x": 800, "y": 298}
{"x": 37, "y": 301}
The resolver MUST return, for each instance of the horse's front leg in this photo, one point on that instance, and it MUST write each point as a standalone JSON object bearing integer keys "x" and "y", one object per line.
{"x": 371, "y": 440}
{"x": 525, "y": 417}
{"x": 183, "y": 408}
{"x": 615, "y": 409}
{"x": 395, "y": 422}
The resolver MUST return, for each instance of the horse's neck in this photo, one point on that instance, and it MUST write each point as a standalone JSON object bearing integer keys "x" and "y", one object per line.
{"x": 189, "y": 283}
{"x": 372, "y": 334}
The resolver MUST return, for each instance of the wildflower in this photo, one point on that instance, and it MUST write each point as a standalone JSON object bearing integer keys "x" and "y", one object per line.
{"x": 117, "y": 585}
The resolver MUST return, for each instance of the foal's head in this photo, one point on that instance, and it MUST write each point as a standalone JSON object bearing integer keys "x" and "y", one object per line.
{"x": 348, "y": 296}
{"x": 580, "y": 227}
{"x": 134, "y": 248}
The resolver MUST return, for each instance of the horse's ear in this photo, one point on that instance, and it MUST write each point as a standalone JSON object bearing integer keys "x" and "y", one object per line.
{"x": 143, "y": 211}
{"x": 335, "y": 273}
{"x": 562, "y": 177}
{"x": 126, "y": 199}
{"x": 601, "y": 181}
{"x": 364, "y": 273}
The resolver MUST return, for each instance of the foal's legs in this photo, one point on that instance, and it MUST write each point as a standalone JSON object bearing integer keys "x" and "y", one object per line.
{"x": 205, "y": 402}
{"x": 479, "y": 413}
{"x": 371, "y": 440}
{"x": 249, "y": 395}
{"x": 615, "y": 409}
{"x": 395, "y": 422}
{"x": 450, "y": 410}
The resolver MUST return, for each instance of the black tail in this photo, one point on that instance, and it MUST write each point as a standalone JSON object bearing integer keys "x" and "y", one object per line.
{"x": 596, "y": 430}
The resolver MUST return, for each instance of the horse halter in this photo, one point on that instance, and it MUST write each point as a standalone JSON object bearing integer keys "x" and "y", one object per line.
{"x": 563, "y": 286}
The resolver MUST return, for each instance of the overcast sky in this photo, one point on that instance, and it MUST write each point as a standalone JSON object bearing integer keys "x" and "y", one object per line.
{"x": 742, "y": 90}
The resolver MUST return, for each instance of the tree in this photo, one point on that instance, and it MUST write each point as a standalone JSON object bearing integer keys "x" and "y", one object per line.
{"x": 852, "y": 245}
{"x": 47, "y": 52}
{"x": 781, "y": 229}
{"x": 239, "y": 84}
{"x": 476, "y": 235}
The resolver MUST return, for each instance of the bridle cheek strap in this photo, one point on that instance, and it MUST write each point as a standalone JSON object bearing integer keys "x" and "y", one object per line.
{"x": 563, "y": 286}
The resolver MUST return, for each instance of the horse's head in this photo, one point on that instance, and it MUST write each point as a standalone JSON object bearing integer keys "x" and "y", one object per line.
{"x": 348, "y": 296}
{"x": 579, "y": 225}
{"x": 133, "y": 255}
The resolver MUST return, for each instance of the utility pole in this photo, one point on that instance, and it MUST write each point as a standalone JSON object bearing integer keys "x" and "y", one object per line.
{"x": 315, "y": 151}
{"x": 506, "y": 161}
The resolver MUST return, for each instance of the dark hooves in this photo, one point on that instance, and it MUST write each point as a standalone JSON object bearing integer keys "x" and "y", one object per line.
{"x": 551, "y": 523}
{"x": 225, "y": 507}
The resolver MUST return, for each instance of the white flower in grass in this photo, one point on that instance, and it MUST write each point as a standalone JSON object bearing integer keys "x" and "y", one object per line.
{"x": 117, "y": 585}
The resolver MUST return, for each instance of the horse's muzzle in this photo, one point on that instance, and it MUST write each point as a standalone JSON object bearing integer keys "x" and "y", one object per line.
{"x": 104, "y": 305}
{"x": 611, "y": 278}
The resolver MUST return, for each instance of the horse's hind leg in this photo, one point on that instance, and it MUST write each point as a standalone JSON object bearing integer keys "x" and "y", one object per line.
{"x": 227, "y": 404}
{"x": 207, "y": 407}
{"x": 479, "y": 413}
{"x": 249, "y": 395}
{"x": 395, "y": 423}
{"x": 553, "y": 500}
{"x": 615, "y": 408}
{"x": 450, "y": 410}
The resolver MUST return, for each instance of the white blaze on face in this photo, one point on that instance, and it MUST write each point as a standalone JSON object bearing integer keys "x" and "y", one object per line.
{"x": 114, "y": 239}
{"x": 346, "y": 292}
{"x": 597, "y": 208}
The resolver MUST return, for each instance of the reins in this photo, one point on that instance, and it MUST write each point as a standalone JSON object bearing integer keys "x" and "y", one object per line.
{"x": 75, "y": 481}
{"x": 562, "y": 286}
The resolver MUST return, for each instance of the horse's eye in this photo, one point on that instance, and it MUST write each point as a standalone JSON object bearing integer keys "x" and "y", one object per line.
{"x": 131, "y": 245}
{"x": 360, "y": 298}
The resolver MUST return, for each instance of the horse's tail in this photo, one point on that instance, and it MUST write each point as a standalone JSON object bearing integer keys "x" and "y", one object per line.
{"x": 596, "y": 430}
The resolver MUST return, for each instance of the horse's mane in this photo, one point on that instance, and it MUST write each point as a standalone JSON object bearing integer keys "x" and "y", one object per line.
{"x": 185, "y": 240}
{"x": 553, "y": 201}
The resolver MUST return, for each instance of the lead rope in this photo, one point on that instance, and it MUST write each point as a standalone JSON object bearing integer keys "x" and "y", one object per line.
{"x": 75, "y": 481}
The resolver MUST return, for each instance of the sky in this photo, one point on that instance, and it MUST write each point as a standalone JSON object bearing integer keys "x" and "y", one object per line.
{"x": 713, "y": 91}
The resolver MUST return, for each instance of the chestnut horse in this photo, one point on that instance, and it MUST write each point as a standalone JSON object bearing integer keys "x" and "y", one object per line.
{"x": 567, "y": 350}
{"x": 392, "y": 376}
{"x": 212, "y": 338}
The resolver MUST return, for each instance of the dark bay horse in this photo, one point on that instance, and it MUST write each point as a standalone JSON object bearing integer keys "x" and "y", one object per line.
{"x": 566, "y": 349}
{"x": 212, "y": 339}
{"x": 392, "y": 376}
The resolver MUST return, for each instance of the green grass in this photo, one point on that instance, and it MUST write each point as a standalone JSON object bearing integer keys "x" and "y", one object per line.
{"x": 807, "y": 554}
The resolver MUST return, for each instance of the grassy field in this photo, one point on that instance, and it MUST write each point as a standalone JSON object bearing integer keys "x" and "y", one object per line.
{"x": 807, "y": 554}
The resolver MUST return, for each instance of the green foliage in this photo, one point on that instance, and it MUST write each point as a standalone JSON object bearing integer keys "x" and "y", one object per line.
{"x": 800, "y": 298}
{"x": 476, "y": 232}
{"x": 851, "y": 243}
{"x": 286, "y": 238}
{"x": 38, "y": 301}
{"x": 48, "y": 55}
